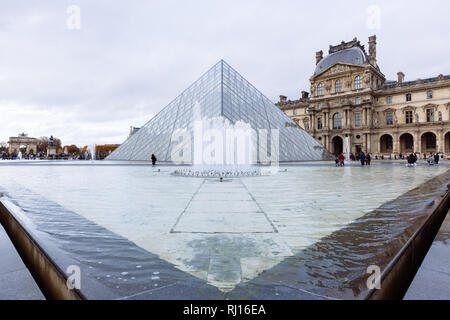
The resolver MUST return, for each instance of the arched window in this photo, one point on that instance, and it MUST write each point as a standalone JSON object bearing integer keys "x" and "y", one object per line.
{"x": 337, "y": 121}
{"x": 320, "y": 89}
{"x": 358, "y": 82}
{"x": 338, "y": 86}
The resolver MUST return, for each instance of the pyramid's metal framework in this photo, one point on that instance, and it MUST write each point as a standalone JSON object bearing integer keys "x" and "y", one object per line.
{"x": 221, "y": 91}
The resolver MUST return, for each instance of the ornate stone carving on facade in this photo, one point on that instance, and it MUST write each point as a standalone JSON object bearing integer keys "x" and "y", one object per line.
{"x": 376, "y": 120}
{"x": 348, "y": 83}
{"x": 408, "y": 108}
{"x": 439, "y": 116}
{"x": 345, "y": 45}
{"x": 429, "y": 106}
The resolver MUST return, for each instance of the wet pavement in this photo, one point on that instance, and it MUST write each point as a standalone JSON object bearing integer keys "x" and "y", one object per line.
{"x": 16, "y": 282}
{"x": 432, "y": 281}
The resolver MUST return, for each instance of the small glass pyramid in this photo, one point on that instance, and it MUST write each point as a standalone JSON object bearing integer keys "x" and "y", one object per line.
{"x": 221, "y": 91}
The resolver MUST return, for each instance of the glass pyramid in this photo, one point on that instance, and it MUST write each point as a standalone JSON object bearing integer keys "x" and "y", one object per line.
{"x": 221, "y": 91}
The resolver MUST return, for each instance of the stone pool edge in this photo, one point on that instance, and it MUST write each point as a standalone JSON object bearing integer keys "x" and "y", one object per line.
{"x": 399, "y": 273}
{"x": 48, "y": 275}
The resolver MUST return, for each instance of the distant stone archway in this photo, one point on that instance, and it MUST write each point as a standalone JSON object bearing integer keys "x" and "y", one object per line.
{"x": 447, "y": 142}
{"x": 338, "y": 145}
{"x": 428, "y": 140}
{"x": 22, "y": 143}
{"x": 406, "y": 143}
{"x": 386, "y": 143}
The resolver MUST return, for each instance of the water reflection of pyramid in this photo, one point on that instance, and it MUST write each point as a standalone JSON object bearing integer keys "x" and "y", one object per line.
{"x": 221, "y": 91}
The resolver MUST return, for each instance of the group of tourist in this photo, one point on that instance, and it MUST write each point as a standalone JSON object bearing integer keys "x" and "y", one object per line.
{"x": 43, "y": 156}
{"x": 14, "y": 156}
{"x": 365, "y": 159}
{"x": 433, "y": 159}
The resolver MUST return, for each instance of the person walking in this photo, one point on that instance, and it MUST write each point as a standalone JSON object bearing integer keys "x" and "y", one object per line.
{"x": 368, "y": 159}
{"x": 153, "y": 159}
{"x": 341, "y": 159}
{"x": 362, "y": 157}
{"x": 436, "y": 158}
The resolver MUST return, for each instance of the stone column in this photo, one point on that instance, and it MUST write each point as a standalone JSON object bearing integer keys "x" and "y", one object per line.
{"x": 395, "y": 142}
{"x": 378, "y": 143}
{"x": 346, "y": 118}
{"x": 440, "y": 141}
{"x": 330, "y": 121}
{"x": 365, "y": 148}
{"x": 417, "y": 143}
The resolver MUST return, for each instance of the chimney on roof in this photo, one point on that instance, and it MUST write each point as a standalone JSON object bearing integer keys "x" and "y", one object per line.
{"x": 305, "y": 95}
{"x": 319, "y": 56}
{"x": 400, "y": 77}
{"x": 283, "y": 98}
{"x": 373, "y": 50}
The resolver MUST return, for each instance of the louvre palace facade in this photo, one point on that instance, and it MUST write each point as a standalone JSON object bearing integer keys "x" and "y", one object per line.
{"x": 350, "y": 97}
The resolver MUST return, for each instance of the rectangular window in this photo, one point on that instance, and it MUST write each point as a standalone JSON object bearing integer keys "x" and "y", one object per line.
{"x": 409, "y": 116}
{"x": 357, "y": 119}
{"x": 408, "y": 97}
{"x": 338, "y": 86}
{"x": 429, "y": 94}
{"x": 430, "y": 115}
{"x": 358, "y": 82}
{"x": 358, "y": 100}
{"x": 294, "y": 112}
{"x": 388, "y": 100}
{"x": 389, "y": 119}
{"x": 319, "y": 123}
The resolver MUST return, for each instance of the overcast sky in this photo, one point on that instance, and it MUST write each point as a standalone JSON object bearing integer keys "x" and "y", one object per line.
{"x": 129, "y": 59}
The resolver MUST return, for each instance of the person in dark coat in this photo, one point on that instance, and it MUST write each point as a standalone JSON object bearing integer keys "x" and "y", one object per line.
{"x": 412, "y": 158}
{"x": 436, "y": 158}
{"x": 153, "y": 159}
{"x": 368, "y": 159}
{"x": 362, "y": 157}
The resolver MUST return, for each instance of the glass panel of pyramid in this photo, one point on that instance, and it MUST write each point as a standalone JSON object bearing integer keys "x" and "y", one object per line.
{"x": 223, "y": 92}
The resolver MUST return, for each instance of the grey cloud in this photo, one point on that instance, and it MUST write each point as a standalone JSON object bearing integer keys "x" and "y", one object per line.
{"x": 131, "y": 58}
